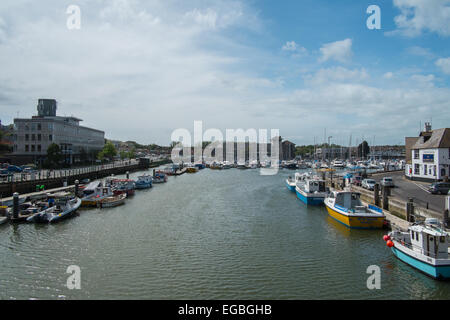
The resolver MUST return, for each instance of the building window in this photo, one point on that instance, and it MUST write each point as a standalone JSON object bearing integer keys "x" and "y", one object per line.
{"x": 33, "y": 126}
{"x": 416, "y": 154}
{"x": 27, "y": 137}
{"x": 39, "y": 126}
{"x": 27, "y": 127}
{"x": 416, "y": 168}
{"x": 39, "y": 148}
{"x": 27, "y": 148}
{"x": 50, "y": 137}
{"x": 425, "y": 169}
{"x": 33, "y": 148}
{"x": 33, "y": 137}
{"x": 39, "y": 137}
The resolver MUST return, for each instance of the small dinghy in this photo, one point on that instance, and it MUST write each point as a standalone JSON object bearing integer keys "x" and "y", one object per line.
{"x": 113, "y": 201}
{"x": 63, "y": 208}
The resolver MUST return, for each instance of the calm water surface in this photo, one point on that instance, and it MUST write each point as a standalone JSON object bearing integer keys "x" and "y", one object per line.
{"x": 230, "y": 234}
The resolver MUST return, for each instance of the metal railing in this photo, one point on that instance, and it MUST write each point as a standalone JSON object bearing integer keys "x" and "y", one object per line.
{"x": 42, "y": 175}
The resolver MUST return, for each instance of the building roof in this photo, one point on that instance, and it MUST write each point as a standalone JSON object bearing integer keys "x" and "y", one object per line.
{"x": 440, "y": 138}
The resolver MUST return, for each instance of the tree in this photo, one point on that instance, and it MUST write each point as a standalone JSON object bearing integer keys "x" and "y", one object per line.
{"x": 363, "y": 149}
{"x": 109, "y": 151}
{"x": 54, "y": 155}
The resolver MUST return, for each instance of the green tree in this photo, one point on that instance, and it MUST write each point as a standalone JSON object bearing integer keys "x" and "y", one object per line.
{"x": 109, "y": 151}
{"x": 54, "y": 155}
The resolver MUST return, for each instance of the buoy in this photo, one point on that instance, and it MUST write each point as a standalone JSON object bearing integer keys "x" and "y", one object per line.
{"x": 386, "y": 237}
{"x": 390, "y": 244}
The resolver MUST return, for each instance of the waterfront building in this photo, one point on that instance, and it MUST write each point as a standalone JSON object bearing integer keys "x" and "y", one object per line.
{"x": 429, "y": 155}
{"x": 33, "y": 136}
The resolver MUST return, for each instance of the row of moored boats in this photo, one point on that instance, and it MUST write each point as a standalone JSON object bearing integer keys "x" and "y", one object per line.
{"x": 424, "y": 246}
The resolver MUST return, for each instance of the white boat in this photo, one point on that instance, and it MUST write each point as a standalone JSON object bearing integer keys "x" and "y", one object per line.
{"x": 62, "y": 209}
{"x": 226, "y": 165}
{"x": 253, "y": 164}
{"x": 338, "y": 164}
{"x": 425, "y": 246}
{"x": 113, "y": 201}
{"x": 312, "y": 190}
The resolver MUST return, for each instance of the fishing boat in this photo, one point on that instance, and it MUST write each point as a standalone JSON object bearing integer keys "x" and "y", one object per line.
{"x": 113, "y": 201}
{"x": 424, "y": 247}
{"x": 159, "y": 177}
{"x": 94, "y": 193}
{"x": 123, "y": 186}
{"x": 346, "y": 207}
{"x": 62, "y": 209}
{"x": 312, "y": 191}
{"x": 299, "y": 178}
{"x": 144, "y": 182}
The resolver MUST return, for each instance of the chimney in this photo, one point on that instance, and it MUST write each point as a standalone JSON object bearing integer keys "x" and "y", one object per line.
{"x": 427, "y": 127}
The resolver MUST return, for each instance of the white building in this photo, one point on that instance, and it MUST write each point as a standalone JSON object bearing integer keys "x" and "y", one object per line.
{"x": 32, "y": 137}
{"x": 430, "y": 155}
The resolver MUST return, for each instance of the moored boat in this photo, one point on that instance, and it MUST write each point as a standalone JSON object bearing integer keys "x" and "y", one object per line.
{"x": 94, "y": 193}
{"x": 63, "y": 208}
{"x": 346, "y": 207}
{"x": 144, "y": 182}
{"x": 312, "y": 191}
{"x": 159, "y": 177}
{"x": 113, "y": 201}
{"x": 424, "y": 247}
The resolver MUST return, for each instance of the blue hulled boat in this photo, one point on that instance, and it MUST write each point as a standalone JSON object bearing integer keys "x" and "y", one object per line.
{"x": 424, "y": 247}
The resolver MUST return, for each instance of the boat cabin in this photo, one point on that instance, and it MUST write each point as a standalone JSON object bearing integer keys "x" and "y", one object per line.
{"x": 349, "y": 201}
{"x": 312, "y": 186}
{"x": 429, "y": 239}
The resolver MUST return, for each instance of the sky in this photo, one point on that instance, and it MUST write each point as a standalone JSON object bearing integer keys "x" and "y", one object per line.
{"x": 311, "y": 68}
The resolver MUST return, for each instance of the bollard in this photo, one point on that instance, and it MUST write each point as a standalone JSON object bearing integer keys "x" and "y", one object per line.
{"x": 77, "y": 187}
{"x": 15, "y": 205}
{"x": 376, "y": 195}
{"x": 385, "y": 191}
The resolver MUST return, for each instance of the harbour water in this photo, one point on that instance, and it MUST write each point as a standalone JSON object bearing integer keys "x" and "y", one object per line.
{"x": 217, "y": 234}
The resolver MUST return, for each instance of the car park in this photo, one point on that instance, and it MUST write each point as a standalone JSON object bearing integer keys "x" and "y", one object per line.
{"x": 368, "y": 184}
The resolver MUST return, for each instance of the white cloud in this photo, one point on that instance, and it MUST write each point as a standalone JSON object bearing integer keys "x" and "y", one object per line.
{"x": 340, "y": 51}
{"x": 388, "y": 75}
{"x": 418, "y": 16}
{"x": 336, "y": 74}
{"x": 421, "y": 52}
{"x": 444, "y": 64}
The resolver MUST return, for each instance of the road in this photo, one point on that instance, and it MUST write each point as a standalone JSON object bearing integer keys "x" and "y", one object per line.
{"x": 413, "y": 189}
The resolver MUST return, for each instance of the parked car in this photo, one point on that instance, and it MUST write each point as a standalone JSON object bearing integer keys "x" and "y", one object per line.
{"x": 368, "y": 184}
{"x": 439, "y": 188}
{"x": 387, "y": 182}
{"x": 357, "y": 180}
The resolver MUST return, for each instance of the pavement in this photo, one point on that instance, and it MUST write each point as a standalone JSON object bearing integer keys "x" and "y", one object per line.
{"x": 405, "y": 189}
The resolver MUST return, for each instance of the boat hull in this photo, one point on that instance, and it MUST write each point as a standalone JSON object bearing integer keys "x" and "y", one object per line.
{"x": 310, "y": 200}
{"x": 141, "y": 186}
{"x": 356, "y": 222}
{"x": 436, "y": 272}
{"x": 289, "y": 186}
